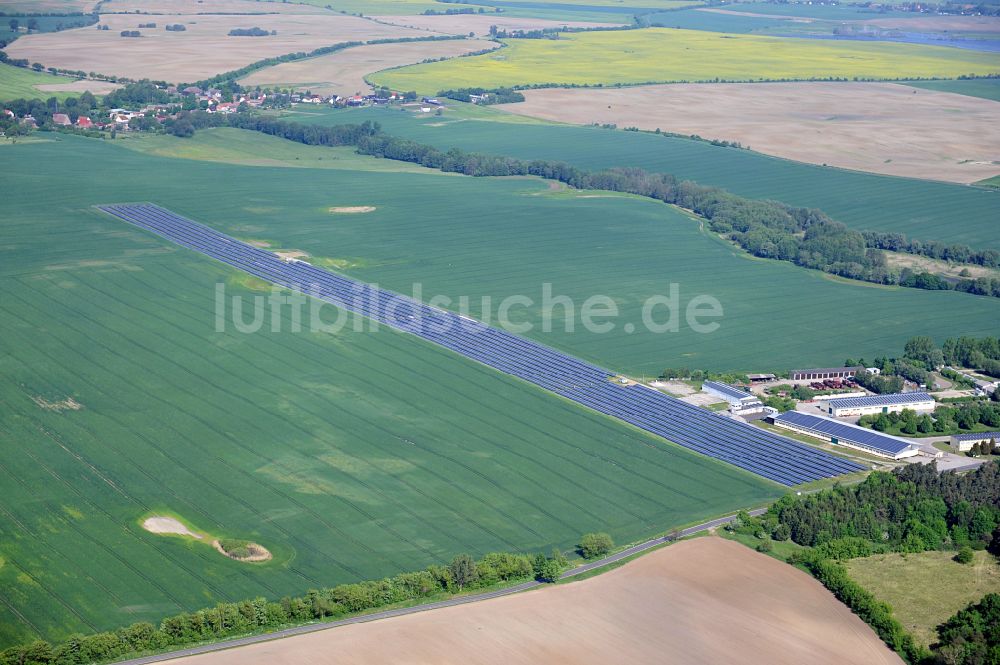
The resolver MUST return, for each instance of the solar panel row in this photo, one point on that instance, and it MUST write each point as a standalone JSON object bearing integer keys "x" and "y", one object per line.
{"x": 747, "y": 447}
{"x": 880, "y": 400}
{"x": 844, "y": 432}
{"x": 726, "y": 389}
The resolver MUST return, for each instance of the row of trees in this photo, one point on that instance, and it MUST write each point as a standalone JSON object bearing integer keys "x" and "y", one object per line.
{"x": 257, "y": 615}
{"x": 946, "y": 420}
{"x": 768, "y": 229}
{"x": 805, "y": 236}
{"x": 957, "y": 253}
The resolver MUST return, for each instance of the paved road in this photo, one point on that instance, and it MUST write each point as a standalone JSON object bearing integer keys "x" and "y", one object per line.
{"x": 375, "y": 616}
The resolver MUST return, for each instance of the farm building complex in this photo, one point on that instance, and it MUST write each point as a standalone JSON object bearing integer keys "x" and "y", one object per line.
{"x": 866, "y": 406}
{"x": 845, "y": 434}
{"x": 824, "y": 373}
{"x": 740, "y": 401}
{"x": 961, "y": 443}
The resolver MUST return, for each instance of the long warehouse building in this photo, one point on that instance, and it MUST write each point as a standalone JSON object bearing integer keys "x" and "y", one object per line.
{"x": 845, "y": 434}
{"x": 873, "y": 404}
{"x": 776, "y": 458}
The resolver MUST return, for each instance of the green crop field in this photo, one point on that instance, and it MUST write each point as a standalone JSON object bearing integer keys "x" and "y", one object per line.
{"x": 624, "y": 247}
{"x": 985, "y": 88}
{"x": 19, "y": 82}
{"x": 349, "y": 456}
{"x": 918, "y": 208}
{"x": 666, "y": 55}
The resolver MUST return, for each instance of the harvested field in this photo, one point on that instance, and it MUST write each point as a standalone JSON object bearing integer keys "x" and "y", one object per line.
{"x": 463, "y": 24}
{"x": 208, "y": 7}
{"x": 96, "y": 87}
{"x": 203, "y": 50}
{"x": 705, "y": 600}
{"x": 343, "y": 73}
{"x": 939, "y": 23}
{"x": 46, "y": 6}
{"x": 876, "y": 127}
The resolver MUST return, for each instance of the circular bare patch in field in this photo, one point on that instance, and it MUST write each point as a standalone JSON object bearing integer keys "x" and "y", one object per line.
{"x": 351, "y": 210}
{"x": 253, "y": 552}
{"x": 168, "y": 525}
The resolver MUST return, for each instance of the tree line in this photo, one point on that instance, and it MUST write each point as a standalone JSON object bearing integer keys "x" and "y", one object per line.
{"x": 260, "y": 615}
{"x": 804, "y": 236}
{"x": 946, "y": 420}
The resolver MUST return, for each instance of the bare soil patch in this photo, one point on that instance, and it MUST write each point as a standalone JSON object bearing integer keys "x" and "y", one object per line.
{"x": 352, "y": 210}
{"x": 876, "y": 127}
{"x": 706, "y": 600}
{"x": 257, "y": 553}
{"x": 201, "y": 51}
{"x": 343, "y": 73}
{"x": 168, "y": 525}
{"x": 463, "y": 24}
{"x": 96, "y": 87}
{"x": 68, "y": 404}
{"x": 291, "y": 254}
{"x": 924, "y": 263}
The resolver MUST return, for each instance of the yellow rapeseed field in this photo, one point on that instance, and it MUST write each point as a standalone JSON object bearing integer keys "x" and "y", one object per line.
{"x": 668, "y": 55}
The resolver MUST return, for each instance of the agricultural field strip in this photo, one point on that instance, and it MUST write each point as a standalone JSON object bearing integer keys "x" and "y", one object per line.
{"x": 928, "y": 211}
{"x": 556, "y": 372}
{"x": 665, "y": 55}
{"x": 388, "y": 614}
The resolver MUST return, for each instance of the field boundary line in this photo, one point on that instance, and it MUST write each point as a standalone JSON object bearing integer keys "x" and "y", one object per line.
{"x": 451, "y": 602}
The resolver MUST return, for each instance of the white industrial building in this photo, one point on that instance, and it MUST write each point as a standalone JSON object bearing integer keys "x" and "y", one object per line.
{"x": 961, "y": 443}
{"x": 740, "y": 402}
{"x": 846, "y": 434}
{"x": 875, "y": 404}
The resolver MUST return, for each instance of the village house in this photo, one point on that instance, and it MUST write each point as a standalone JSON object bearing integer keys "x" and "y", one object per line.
{"x": 61, "y": 119}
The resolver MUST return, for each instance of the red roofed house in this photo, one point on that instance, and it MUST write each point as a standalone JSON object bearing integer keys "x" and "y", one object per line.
{"x": 61, "y": 119}
{"x": 83, "y": 122}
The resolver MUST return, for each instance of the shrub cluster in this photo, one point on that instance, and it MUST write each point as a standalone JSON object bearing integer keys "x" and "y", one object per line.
{"x": 251, "y": 32}
{"x": 493, "y": 95}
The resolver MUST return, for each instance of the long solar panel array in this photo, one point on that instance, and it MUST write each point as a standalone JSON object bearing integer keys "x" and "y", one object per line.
{"x": 845, "y": 432}
{"x": 758, "y": 451}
